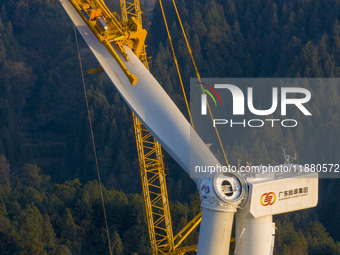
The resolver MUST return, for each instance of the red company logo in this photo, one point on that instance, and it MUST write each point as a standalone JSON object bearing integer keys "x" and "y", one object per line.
{"x": 268, "y": 198}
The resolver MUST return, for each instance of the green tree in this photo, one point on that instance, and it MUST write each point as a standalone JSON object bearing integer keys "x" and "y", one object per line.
{"x": 4, "y": 171}
{"x": 116, "y": 244}
{"x": 31, "y": 230}
{"x": 30, "y": 176}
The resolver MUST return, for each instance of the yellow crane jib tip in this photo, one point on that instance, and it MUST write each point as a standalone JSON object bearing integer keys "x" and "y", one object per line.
{"x": 107, "y": 29}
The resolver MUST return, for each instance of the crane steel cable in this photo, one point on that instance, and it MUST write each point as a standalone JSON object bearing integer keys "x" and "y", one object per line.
{"x": 176, "y": 63}
{"x": 196, "y": 70}
{"x": 93, "y": 143}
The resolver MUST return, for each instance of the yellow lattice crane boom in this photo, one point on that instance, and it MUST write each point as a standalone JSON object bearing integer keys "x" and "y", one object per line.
{"x": 128, "y": 30}
{"x": 153, "y": 173}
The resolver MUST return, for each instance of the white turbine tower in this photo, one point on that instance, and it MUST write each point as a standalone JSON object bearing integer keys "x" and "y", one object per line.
{"x": 254, "y": 199}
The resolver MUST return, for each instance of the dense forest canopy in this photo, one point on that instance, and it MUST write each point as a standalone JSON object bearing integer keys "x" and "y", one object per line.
{"x": 49, "y": 199}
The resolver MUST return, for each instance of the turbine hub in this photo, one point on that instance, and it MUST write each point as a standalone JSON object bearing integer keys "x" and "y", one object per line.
{"x": 223, "y": 192}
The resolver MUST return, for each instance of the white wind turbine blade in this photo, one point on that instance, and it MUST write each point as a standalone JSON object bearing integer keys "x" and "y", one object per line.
{"x": 148, "y": 100}
{"x": 168, "y": 125}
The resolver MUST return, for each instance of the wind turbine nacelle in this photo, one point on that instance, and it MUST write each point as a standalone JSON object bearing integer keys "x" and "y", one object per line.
{"x": 282, "y": 193}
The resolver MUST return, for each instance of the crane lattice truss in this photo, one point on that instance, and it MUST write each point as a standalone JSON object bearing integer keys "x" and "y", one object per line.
{"x": 111, "y": 31}
{"x": 153, "y": 173}
{"x": 151, "y": 165}
{"x": 154, "y": 189}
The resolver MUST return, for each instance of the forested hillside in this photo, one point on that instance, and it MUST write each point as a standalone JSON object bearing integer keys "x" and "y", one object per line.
{"x": 49, "y": 199}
